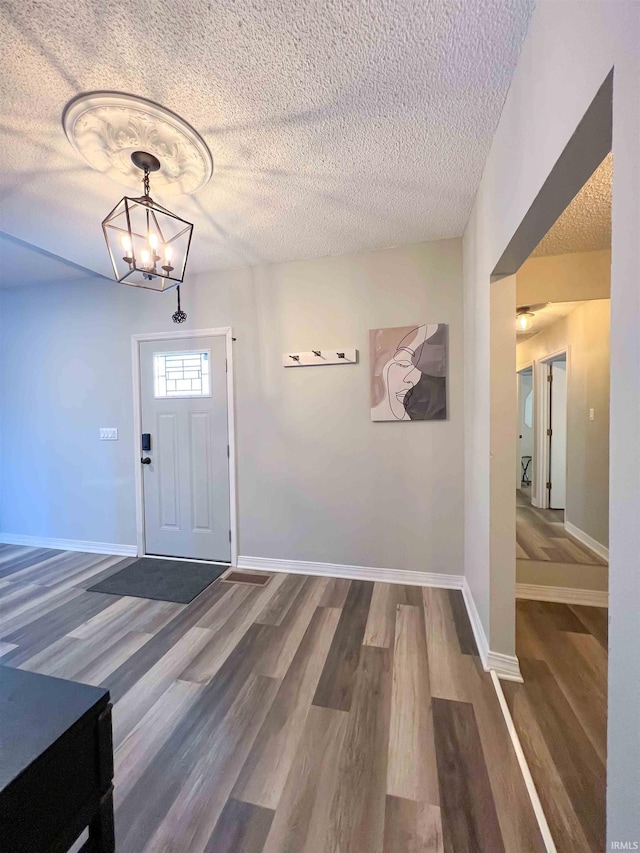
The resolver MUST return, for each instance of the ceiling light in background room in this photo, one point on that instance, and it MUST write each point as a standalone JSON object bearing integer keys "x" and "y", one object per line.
{"x": 525, "y": 315}
{"x": 523, "y": 321}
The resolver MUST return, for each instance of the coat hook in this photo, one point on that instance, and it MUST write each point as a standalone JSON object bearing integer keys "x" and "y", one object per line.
{"x": 340, "y": 354}
{"x": 317, "y": 352}
{"x": 295, "y": 357}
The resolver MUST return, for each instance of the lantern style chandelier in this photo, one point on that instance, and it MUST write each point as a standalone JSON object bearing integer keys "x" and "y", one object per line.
{"x": 148, "y": 244}
{"x": 128, "y": 137}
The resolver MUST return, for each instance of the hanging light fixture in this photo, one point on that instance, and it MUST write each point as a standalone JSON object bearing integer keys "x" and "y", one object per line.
{"x": 148, "y": 244}
{"x": 525, "y": 315}
{"x": 523, "y": 319}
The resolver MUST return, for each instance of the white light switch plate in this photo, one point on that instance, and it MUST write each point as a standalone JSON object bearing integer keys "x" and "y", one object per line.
{"x": 108, "y": 434}
{"x": 592, "y": 414}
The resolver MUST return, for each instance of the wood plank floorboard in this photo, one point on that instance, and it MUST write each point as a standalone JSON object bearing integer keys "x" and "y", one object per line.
{"x": 560, "y": 713}
{"x": 337, "y": 681}
{"x": 356, "y": 817}
{"x": 540, "y": 535}
{"x": 411, "y": 827}
{"x": 295, "y": 718}
{"x": 464, "y": 779}
{"x": 242, "y": 828}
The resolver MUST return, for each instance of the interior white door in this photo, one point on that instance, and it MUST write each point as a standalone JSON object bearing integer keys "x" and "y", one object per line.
{"x": 183, "y": 393}
{"x": 558, "y": 437}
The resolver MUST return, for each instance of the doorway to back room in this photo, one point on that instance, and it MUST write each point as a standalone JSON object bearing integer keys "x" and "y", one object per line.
{"x": 562, "y": 512}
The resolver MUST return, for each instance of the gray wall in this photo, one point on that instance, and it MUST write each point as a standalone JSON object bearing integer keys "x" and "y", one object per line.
{"x": 316, "y": 479}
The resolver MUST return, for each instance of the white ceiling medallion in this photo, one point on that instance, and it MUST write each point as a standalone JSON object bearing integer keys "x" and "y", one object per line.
{"x": 107, "y": 127}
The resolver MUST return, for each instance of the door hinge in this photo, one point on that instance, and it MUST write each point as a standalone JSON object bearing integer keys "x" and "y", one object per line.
{"x": 227, "y": 451}
{"x": 226, "y": 366}
{"x": 550, "y": 377}
{"x": 548, "y": 484}
{"x": 229, "y": 536}
{"x": 549, "y": 432}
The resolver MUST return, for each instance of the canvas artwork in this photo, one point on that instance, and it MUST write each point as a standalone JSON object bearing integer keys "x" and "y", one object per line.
{"x": 408, "y": 373}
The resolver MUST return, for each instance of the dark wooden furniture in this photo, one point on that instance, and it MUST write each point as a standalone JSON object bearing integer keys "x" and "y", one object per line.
{"x": 56, "y": 764}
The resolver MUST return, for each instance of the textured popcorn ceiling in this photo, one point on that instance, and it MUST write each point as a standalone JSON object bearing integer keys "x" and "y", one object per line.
{"x": 335, "y": 126}
{"x": 585, "y": 224}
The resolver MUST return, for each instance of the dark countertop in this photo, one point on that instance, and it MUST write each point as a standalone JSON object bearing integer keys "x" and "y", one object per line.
{"x": 35, "y": 710}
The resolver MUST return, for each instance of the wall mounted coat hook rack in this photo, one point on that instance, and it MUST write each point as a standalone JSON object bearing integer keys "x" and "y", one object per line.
{"x": 318, "y": 358}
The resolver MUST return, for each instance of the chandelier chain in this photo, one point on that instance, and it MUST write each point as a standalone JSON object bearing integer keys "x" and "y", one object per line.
{"x": 145, "y": 181}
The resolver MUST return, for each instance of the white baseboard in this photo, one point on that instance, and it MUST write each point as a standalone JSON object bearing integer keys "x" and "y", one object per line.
{"x": 547, "y": 838}
{"x": 364, "y": 573}
{"x": 505, "y": 666}
{"x": 476, "y": 623}
{"x": 109, "y": 548}
{"x": 562, "y": 594}
{"x": 597, "y": 548}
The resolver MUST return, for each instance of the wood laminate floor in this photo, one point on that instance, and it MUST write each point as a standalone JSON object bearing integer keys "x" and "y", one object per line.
{"x": 314, "y": 715}
{"x": 560, "y": 713}
{"x": 540, "y": 535}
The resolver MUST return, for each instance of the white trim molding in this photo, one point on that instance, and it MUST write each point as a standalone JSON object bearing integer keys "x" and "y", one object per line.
{"x": 136, "y": 340}
{"x": 601, "y": 550}
{"x": 505, "y": 666}
{"x": 562, "y": 594}
{"x": 107, "y": 548}
{"x": 338, "y": 570}
{"x": 524, "y": 767}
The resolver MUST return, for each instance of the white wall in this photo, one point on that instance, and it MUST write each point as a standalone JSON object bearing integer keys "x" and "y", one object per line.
{"x": 317, "y": 480}
{"x": 570, "y": 49}
{"x": 585, "y": 333}
{"x": 565, "y": 278}
{"x": 503, "y": 449}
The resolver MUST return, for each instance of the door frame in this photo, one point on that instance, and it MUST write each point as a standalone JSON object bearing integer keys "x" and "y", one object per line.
{"x": 539, "y": 492}
{"x": 529, "y": 365}
{"x": 136, "y": 340}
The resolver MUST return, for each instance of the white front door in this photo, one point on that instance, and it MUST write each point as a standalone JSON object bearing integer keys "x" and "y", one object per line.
{"x": 183, "y": 393}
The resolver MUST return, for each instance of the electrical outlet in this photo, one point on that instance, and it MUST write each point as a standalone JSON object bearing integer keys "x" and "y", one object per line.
{"x": 108, "y": 434}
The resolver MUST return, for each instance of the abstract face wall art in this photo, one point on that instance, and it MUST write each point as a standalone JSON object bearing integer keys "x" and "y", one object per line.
{"x": 408, "y": 373}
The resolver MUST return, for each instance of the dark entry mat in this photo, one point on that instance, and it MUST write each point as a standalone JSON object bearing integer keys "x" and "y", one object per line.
{"x": 162, "y": 580}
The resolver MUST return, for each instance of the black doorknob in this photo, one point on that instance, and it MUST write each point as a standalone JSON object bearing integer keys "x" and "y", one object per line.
{"x": 146, "y": 460}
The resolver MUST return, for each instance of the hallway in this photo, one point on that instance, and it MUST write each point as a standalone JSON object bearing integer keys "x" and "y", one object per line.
{"x": 540, "y": 535}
